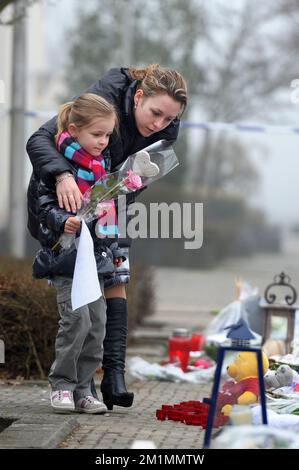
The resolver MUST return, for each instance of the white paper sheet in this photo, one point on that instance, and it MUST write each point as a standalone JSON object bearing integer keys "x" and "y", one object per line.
{"x": 86, "y": 287}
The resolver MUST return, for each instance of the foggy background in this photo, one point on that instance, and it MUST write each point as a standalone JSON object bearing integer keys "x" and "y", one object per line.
{"x": 239, "y": 61}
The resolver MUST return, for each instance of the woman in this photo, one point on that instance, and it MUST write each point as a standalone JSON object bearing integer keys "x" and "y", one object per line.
{"x": 149, "y": 102}
{"x": 84, "y": 129}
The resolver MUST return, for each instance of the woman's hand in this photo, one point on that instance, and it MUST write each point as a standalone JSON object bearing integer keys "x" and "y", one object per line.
{"x": 68, "y": 194}
{"x": 71, "y": 225}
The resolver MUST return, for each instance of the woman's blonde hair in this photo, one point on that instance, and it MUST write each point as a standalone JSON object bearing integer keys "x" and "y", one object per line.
{"x": 83, "y": 110}
{"x": 155, "y": 80}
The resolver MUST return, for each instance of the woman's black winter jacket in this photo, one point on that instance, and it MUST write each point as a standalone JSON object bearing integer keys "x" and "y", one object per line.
{"x": 118, "y": 87}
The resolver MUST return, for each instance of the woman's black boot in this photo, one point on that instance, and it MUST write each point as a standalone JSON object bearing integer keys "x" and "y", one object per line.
{"x": 113, "y": 385}
{"x": 114, "y": 390}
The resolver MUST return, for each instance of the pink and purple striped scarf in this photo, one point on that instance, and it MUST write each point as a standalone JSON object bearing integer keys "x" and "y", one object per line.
{"x": 90, "y": 170}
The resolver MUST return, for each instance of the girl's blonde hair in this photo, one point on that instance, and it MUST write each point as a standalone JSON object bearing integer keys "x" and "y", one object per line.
{"x": 154, "y": 80}
{"x": 83, "y": 110}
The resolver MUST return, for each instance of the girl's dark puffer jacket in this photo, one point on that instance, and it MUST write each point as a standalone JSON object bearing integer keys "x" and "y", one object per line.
{"x": 52, "y": 219}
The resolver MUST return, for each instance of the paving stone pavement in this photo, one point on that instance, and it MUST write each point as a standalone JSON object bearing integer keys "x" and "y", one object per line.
{"x": 35, "y": 425}
{"x": 119, "y": 429}
{"x": 32, "y": 424}
{"x": 26, "y": 407}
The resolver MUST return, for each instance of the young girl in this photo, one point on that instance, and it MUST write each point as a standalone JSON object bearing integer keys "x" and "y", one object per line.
{"x": 84, "y": 128}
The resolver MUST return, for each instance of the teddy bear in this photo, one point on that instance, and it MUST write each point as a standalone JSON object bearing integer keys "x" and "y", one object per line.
{"x": 281, "y": 377}
{"x": 244, "y": 390}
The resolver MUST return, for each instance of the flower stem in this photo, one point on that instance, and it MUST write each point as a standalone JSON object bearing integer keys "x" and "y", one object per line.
{"x": 91, "y": 210}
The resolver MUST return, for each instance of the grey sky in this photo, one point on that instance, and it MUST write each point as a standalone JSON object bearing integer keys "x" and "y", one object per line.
{"x": 279, "y": 188}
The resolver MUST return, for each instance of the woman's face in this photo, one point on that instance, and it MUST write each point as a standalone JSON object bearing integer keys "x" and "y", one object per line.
{"x": 154, "y": 113}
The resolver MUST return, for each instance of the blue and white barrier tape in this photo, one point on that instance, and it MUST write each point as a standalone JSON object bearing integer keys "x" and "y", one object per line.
{"x": 215, "y": 126}
{"x": 240, "y": 127}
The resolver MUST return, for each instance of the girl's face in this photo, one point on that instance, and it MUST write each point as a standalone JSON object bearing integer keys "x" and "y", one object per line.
{"x": 94, "y": 138}
{"x": 154, "y": 113}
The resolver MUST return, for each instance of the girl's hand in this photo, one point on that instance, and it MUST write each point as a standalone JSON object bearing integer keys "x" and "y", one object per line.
{"x": 68, "y": 194}
{"x": 72, "y": 225}
{"x": 118, "y": 261}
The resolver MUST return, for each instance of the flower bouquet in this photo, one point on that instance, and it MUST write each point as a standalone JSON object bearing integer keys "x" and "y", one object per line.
{"x": 136, "y": 172}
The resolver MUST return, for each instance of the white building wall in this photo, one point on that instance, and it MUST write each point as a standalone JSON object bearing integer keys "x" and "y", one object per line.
{"x": 44, "y": 84}
{"x": 5, "y": 77}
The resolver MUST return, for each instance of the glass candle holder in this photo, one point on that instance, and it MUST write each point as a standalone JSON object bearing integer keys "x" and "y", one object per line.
{"x": 240, "y": 415}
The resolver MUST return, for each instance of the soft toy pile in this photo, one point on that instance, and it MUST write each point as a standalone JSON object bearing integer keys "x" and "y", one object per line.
{"x": 282, "y": 377}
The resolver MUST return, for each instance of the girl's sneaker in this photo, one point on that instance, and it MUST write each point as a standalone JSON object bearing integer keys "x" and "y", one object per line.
{"x": 89, "y": 404}
{"x": 62, "y": 401}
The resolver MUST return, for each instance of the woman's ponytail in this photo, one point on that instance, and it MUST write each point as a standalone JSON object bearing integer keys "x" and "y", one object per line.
{"x": 140, "y": 73}
{"x": 154, "y": 80}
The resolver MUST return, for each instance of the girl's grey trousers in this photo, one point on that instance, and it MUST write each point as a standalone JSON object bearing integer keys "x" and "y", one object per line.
{"x": 79, "y": 341}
